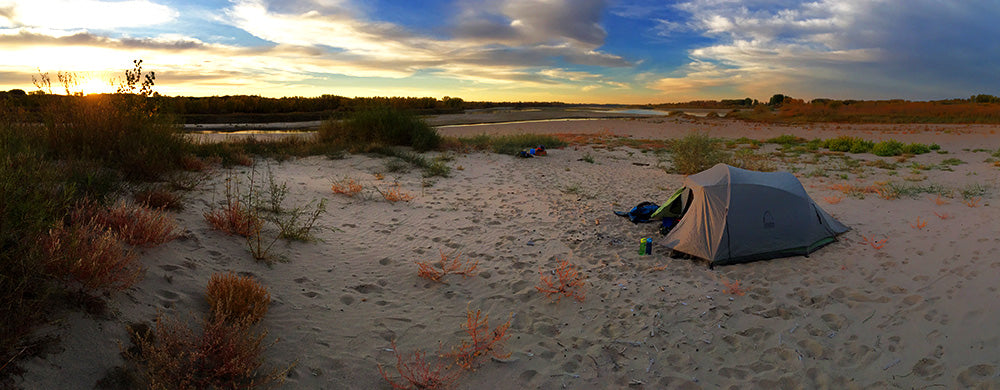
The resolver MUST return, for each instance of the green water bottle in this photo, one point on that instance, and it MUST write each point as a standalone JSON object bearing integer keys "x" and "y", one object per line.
{"x": 642, "y": 246}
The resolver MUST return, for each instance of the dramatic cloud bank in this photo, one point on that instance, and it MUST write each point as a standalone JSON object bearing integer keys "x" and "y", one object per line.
{"x": 634, "y": 51}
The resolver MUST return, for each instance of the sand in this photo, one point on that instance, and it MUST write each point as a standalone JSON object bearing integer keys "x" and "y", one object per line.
{"x": 918, "y": 312}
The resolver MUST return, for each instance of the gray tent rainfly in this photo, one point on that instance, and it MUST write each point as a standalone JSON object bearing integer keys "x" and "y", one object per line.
{"x": 736, "y": 216}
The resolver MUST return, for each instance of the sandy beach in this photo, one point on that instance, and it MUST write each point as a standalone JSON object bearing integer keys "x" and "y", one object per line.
{"x": 914, "y": 313}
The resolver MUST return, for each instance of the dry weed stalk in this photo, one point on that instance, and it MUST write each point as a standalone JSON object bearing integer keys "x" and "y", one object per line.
{"x": 347, "y": 186}
{"x": 833, "y": 199}
{"x": 417, "y": 373}
{"x": 159, "y": 198}
{"x": 940, "y": 201}
{"x": 972, "y": 202}
{"x": 448, "y": 266}
{"x": 237, "y": 298}
{"x": 942, "y": 216}
{"x": 919, "y": 225}
{"x": 236, "y": 217}
{"x": 91, "y": 255}
{"x": 483, "y": 342}
{"x": 564, "y": 281}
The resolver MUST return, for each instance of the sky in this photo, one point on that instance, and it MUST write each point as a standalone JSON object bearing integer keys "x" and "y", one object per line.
{"x": 574, "y": 51}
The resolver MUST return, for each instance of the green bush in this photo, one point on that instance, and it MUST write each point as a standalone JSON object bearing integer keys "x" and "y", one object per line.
{"x": 915, "y": 148}
{"x": 888, "y": 148}
{"x": 377, "y": 127}
{"x": 696, "y": 152}
{"x": 786, "y": 140}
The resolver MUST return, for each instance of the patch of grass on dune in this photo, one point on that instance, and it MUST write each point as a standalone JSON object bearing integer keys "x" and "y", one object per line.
{"x": 509, "y": 144}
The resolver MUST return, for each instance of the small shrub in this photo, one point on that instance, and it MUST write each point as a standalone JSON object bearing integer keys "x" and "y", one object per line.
{"x": 89, "y": 254}
{"x": 419, "y": 374}
{"x": 482, "y": 342}
{"x": 888, "y": 148}
{"x": 394, "y": 194}
{"x": 380, "y": 126}
{"x": 448, "y": 266}
{"x": 563, "y": 282}
{"x": 235, "y": 217}
{"x": 347, "y": 186}
{"x": 138, "y": 225}
{"x": 237, "y": 299}
{"x": 786, "y": 140}
{"x": 222, "y": 355}
{"x": 159, "y": 198}
{"x": 749, "y": 160}
{"x": 915, "y": 148}
{"x": 696, "y": 152}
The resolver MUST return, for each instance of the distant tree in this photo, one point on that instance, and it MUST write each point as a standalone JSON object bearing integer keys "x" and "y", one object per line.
{"x": 777, "y": 100}
{"x": 981, "y": 98}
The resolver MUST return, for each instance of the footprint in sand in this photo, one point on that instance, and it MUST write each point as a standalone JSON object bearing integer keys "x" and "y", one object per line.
{"x": 979, "y": 375}
{"x": 928, "y": 368}
{"x": 167, "y": 298}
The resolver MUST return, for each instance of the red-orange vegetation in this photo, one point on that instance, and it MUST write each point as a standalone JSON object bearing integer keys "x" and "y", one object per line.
{"x": 563, "y": 282}
{"x": 940, "y": 201}
{"x": 919, "y": 224}
{"x": 942, "y": 216}
{"x": 394, "y": 194}
{"x": 875, "y": 243}
{"x": 483, "y": 342}
{"x": 453, "y": 265}
{"x": 972, "y": 202}
{"x": 159, "y": 198}
{"x": 417, "y": 373}
{"x": 138, "y": 225}
{"x": 833, "y": 199}
{"x": 733, "y": 287}
{"x": 347, "y": 187}
{"x": 237, "y": 298}
{"x": 91, "y": 255}
{"x": 235, "y": 218}
{"x": 223, "y": 355}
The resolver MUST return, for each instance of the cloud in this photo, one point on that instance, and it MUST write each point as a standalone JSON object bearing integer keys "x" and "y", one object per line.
{"x": 90, "y": 14}
{"x": 853, "y": 48}
{"x": 342, "y": 34}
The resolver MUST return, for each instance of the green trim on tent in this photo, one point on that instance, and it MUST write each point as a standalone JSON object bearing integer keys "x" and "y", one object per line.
{"x": 673, "y": 208}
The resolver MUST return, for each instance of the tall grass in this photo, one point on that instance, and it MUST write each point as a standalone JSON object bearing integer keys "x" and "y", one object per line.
{"x": 510, "y": 143}
{"x": 82, "y": 148}
{"x": 120, "y": 131}
{"x": 379, "y": 127}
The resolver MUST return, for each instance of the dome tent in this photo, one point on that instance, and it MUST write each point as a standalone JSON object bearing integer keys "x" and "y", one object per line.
{"x": 737, "y": 216}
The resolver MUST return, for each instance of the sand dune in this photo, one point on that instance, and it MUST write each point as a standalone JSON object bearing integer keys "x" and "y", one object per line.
{"x": 915, "y": 313}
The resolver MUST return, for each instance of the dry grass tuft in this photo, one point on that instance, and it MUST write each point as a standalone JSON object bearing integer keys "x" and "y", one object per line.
{"x": 89, "y": 254}
{"x": 138, "y": 225}
{"x": 239, "y": 299}
{"x": 159, "y": 198}
{"x": 234, "y": 219}
{"x": 562, "y": 282}
{"x": 972, "y": 202}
